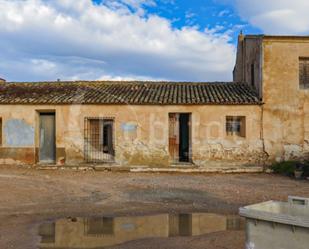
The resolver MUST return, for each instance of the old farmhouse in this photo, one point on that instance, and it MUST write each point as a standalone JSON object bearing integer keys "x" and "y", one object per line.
{"x": 261, "y": 117}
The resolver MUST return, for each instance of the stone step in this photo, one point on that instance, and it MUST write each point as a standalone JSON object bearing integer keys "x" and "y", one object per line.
{"x": 200, "y": 170}
{"x": 145, "y": 169}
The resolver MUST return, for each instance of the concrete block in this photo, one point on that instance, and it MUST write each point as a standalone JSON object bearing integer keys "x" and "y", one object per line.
{"x": 277, "y": 225}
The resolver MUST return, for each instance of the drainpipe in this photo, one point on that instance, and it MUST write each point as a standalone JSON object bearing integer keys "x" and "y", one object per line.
{"x": 261, "y": 93}
{"x": 262, "y": 135}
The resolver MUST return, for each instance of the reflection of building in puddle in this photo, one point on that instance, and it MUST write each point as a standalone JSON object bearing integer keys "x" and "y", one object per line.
{"x": 107, "y": 231}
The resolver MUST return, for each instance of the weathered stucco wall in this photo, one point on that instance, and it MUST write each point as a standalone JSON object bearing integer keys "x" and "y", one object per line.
{"x": 141, "y": 133}
{"x": 286, "y": 108}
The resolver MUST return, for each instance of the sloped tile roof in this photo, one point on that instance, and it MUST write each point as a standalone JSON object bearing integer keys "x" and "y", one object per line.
{"x": 138, "y": 93}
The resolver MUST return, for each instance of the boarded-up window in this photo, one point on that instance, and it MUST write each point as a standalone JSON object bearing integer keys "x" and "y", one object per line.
{"x": 236, "y": 126}
{"x": 304, "y": 73}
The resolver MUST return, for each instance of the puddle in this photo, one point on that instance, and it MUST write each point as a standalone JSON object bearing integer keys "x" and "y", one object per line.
{"x": 99, "y": 232}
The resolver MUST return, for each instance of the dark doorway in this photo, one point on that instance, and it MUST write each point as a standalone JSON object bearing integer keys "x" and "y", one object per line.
{"x": 47, "y": 148}
{"x": 184, "y": 134}
{"x": 180, "y": 137}
{"x": 108, "y": 146}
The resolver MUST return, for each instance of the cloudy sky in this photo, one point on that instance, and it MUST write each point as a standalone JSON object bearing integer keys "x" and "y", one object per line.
{"x": 182, "y": 40}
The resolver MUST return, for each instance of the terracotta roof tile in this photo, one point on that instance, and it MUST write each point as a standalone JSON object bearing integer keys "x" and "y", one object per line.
{"x": 140, "y": 93}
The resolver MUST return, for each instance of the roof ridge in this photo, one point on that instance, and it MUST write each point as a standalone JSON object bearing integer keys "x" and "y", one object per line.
{"x": 120, "y": 82}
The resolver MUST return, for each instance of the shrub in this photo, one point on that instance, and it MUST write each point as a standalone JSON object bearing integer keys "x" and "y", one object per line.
{"x": 306, "y": 169}
{"x": 285, "y": 168}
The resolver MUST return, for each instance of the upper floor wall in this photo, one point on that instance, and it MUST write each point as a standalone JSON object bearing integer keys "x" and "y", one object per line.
{"x": 261, "y": 58}
{"x": 286, "y": 101}
{"x": 278, "y": 68}
{"x": 283, "y": 59}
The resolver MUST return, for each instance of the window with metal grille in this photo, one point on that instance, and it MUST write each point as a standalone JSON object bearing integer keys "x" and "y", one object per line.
{"x": 99, "y": 226}
{"x": 236, "y": 126}
{"x": 99, "y": 140}
{"x": 303, "y": 73}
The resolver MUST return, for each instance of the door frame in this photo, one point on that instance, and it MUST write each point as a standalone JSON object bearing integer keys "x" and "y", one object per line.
{"x": 37, "y": 140}
{"x": 176, "y": 158}
{"x": 93, "y": 155}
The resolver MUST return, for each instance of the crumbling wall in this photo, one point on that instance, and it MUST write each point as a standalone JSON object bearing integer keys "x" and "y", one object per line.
{"x": 17, "y": 137}
{"x": 18, "y": 133}
{"x": 141, "y": 133}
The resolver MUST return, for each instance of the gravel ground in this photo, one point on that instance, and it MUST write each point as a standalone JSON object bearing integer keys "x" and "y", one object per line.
{"x": 30, "y": 197}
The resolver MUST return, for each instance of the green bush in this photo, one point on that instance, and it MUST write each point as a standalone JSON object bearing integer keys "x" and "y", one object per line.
{"x": 306, "y": 169}
{"x": 285, "y": 168}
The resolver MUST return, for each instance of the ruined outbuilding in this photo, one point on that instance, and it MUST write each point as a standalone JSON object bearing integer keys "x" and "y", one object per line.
{"x": 259, "y": 118}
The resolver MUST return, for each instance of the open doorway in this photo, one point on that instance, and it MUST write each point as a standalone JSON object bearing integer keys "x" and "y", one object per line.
{"x": 180, "y": 137}
{"x": 99, "y": 140}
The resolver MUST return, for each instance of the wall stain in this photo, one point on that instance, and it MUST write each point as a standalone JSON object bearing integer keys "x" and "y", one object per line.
{"x": 18, "y": 133}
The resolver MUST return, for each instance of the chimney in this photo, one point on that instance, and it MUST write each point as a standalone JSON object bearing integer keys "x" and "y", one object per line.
{"x": 2, "y": 81}
{"x": 241, "y": 36}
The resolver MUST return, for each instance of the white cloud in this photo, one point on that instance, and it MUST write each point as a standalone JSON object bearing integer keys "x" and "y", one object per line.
{"x": 127, "y": 5}
{"x": 223, "y": 13}
{"x": 276, "y": 16}
{"x": 68, "y": 39}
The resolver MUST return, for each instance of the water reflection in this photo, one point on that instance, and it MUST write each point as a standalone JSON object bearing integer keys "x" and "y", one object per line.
{"x": 93, "y": 232}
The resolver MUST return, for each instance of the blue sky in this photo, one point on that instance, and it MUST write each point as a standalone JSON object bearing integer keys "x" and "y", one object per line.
{"x": 201, "y": 14}
{"x": 175, "y": 40}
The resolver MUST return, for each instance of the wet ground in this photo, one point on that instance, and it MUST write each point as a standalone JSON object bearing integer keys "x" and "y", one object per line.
{"x": 30, "y": 198}
{"x": 126, "y": 231}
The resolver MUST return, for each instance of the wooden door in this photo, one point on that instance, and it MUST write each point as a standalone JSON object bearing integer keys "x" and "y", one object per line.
{"x": 174, "y": 136}
{"x": 47, "y": 138}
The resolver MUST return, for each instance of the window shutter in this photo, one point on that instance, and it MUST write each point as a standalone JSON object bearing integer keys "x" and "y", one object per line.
{"x": 304, "y": 73}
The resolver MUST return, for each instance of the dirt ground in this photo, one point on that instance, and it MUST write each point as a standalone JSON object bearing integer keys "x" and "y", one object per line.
{"x": 30, "y": 197}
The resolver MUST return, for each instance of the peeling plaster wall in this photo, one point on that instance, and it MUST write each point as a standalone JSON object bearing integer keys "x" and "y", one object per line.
{"x": 18, "y": 133}
{"x": 286, "y": 109}
{"x": 141, "y": 133}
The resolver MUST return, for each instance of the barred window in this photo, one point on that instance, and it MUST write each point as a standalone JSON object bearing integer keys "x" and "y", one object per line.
{"x": 99, "y": 140}
{"x": 236, "y": 125}
{"x": 304, "y": 73}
